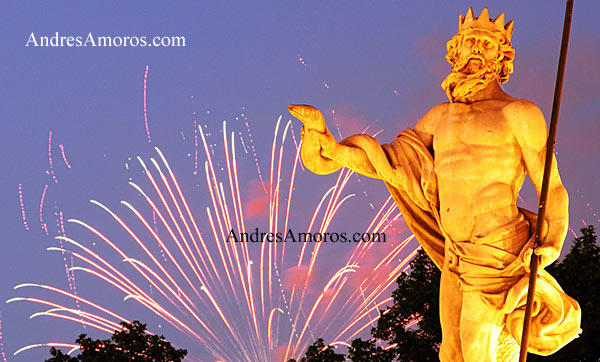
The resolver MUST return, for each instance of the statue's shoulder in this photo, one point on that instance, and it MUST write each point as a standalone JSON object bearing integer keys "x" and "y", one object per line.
{"x": 426, "y": 126}
{"x": 432, "y": 116}
{"x": 440, "y": 109}
{"x": 526, "y": 120}
{"x": 521, "y": 108}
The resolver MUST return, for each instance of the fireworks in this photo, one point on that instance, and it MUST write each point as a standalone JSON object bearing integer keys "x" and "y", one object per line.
{"x": 145, "y": 104}
{"x": 241, "y": 301}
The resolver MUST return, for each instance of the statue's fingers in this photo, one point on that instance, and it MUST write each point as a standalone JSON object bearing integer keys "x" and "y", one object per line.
{"x": 544, "y": 250}
{"x": 308, "y": 115}
{"x": 548, "y": 255}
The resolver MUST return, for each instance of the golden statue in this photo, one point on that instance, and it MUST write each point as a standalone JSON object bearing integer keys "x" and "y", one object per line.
{"x": 456, "y": 177}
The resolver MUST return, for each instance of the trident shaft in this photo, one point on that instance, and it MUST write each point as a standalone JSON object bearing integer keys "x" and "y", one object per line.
{"x": 535, "y": 259}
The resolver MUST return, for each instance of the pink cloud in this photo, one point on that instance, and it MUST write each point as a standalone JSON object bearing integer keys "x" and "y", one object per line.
{"x": 279, "y": 353}
{"x": 431, "y": 50}
{"x": 257, "y": 201}
{"x": 295, "y": 276}
{"x": 349, "y": 120}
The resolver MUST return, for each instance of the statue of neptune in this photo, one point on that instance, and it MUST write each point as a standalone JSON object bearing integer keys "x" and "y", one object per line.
{"x": 456, "y": 177}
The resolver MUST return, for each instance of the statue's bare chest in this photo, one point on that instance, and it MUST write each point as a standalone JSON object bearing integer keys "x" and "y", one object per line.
{"x": 466, "y": 125}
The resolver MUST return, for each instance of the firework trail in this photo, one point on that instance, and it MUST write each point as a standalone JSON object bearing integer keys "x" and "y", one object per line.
{"x": 195, "y": 140}
{"x": 253, "y": 151}
{"x": 62, "y": 151}
{"x": 145, "y": 108}
{"x": 264, "y": 301}
{"x": 301, "y": 60}
{"x": 22, "y": 204}
{"x": 60, "y": 226}
{"x": 593, "y": 213}
{"x": 42, "y": 223}
{"x": 50, "y": 163}
{"x": 2, "y": 343}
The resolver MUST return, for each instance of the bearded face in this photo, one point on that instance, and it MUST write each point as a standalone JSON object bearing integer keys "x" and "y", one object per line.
{"x": 476, "y": 63}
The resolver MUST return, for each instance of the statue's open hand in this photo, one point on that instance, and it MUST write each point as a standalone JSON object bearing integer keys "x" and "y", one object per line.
{"x": 314, "y": 156}
{"x": 309, "y": 115}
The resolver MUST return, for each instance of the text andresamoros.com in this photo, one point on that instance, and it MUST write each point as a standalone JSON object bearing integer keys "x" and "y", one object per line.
{"x": 113, "y": 41}
{"x": 303, "y": 237}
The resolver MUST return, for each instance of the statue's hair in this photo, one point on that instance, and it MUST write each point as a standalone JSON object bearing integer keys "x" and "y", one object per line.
{"x": 505, "y": 57}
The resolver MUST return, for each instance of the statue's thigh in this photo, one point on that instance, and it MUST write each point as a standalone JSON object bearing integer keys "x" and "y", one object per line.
{"x": 450, "y": 312}
{"x": 480, "y": 326}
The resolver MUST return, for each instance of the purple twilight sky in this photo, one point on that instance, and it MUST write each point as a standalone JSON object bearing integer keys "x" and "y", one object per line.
{"x": 376, "y": 64}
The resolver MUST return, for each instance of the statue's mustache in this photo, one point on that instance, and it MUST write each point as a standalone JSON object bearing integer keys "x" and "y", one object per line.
{"x": 466, "y": 64}
{"x": 467, "y": 77}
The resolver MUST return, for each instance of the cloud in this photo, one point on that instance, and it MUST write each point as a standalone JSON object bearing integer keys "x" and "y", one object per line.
{"x": 279, "y": 353}
{"x": 347, "y": 118}
{"x": 257, "y": 201}
{"x": 295, "y": 276}
{"x": 431, "y": 51}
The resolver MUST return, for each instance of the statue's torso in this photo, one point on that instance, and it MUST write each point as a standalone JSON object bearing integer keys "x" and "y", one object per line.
{"x": 479, "y": 169}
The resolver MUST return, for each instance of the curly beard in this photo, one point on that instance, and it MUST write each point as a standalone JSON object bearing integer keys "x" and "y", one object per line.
{"x": 467, "y": 79}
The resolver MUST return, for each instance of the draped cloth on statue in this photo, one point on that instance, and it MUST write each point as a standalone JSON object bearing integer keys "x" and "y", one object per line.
{"x": 493, "y": 265}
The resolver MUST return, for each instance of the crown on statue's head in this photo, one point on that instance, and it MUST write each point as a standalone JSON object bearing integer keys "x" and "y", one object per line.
{"x": 483, "y": 22}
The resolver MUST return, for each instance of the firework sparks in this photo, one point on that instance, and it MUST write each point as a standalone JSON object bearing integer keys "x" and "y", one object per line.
{"x": 241, "y": 302}
{"x": 251, "y": 145}
{"x": 145, "y": 104}
{"x": 1, "y": 342}
{"x": 50, "y": 170}
{"x": 62, "y": 152}
{"x": 301, "y": 60}
{"x": 22, "y": 204}
{"x": 42, "y": 223}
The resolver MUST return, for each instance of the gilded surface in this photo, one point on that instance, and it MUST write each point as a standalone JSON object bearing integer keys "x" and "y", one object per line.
{"x": 461, "y": 204}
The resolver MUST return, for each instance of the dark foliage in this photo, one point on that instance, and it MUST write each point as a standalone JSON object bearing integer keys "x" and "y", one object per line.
{"x": 319, "y": 352}
{"x": 366, "y": 351}
{"x": 415, "y": 298}
{"x": 131, "y": 343}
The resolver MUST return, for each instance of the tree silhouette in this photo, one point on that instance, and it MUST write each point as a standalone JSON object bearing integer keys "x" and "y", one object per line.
{"x": 368, "y": 351}
{"x": 319, "y": 352}
{"x": 411, "y": 325}
{"x": 131, "y": 343}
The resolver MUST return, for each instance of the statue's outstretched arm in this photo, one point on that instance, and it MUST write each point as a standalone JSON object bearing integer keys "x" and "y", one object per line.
{"x": 322, "y": 154}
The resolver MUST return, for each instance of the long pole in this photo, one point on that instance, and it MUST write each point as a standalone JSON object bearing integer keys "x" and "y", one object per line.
{"x": 535, "y": 259}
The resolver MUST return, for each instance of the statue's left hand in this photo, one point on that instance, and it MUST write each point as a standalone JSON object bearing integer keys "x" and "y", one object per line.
{"x": 313, "y": 152}
{"x": 548, "y": 253}
{"x": 309, "y": 115}
{"x": 549, "y": 250}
